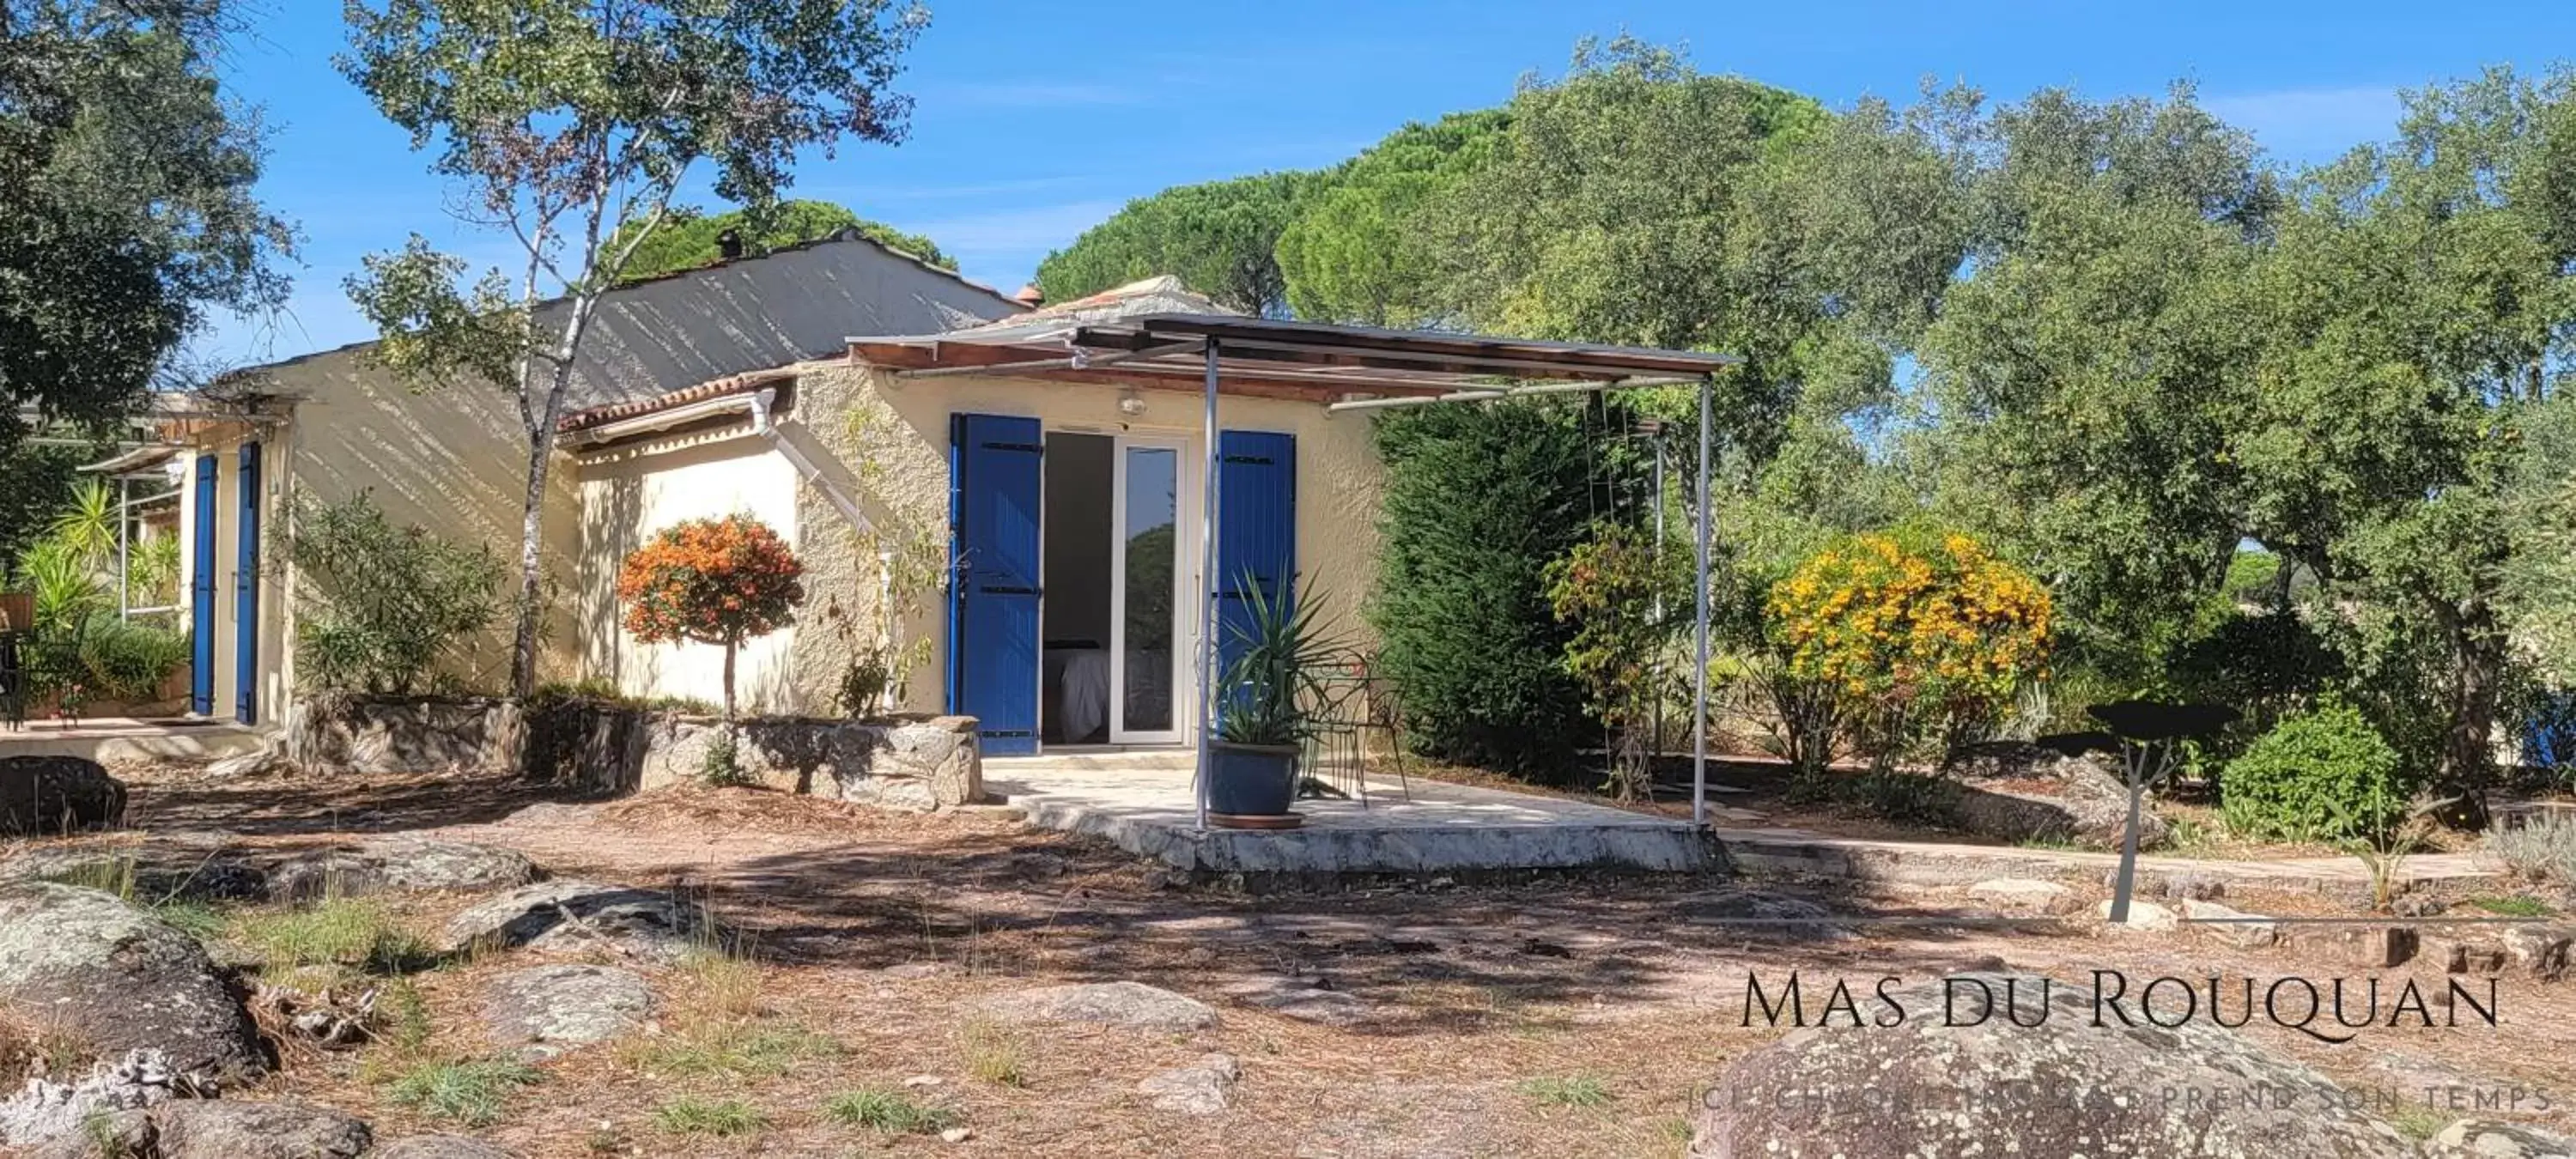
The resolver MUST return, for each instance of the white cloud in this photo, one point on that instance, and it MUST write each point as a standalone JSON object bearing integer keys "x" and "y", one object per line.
{"x": 2311, "y": 125}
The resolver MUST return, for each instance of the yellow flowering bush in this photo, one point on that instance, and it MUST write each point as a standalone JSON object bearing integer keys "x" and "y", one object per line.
{"x": 1907, "y": 633}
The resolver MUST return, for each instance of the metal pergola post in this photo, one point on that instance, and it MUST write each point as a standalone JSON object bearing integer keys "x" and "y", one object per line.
{"x": 1207, "y": 600}
{"x": 124, "y": 520}
{"x": 1699, "y": 673}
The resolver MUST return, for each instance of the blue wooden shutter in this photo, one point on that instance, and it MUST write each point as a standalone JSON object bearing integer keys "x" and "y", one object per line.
{"x": 1256, "y": 531}
{"x": 246, "y": 591}
{"x": 994, "y": 482}
{"x": 201, "y": 595}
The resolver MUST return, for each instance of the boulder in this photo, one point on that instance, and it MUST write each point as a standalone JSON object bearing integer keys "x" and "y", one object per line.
{"x": 2063, "y": 1087}
{"x": 543, "y": 1010}
{"x": 399, "y": 863}
{"x": 2145, "y": 917}
{"x": 2540, "y": 951}
{"x": 40, "y": 795}
{"x": 2458, "y": 951}
{"x": 2235, "y": 927}
{"x": 438, "y": 1147}
{"x": 239, "y": 1129}
{"x": 2085, "y": 800}
{"x": 44, "y": 1111}
{"x": 1201, "y": 1088}
{"x": 1130, "y": 1004}
{"x": 122, "y": 980}
{"x": 109, "y": 1135}
{"x": 2022, "y": 893}
{"x": 2359, "y": 946}
{"x": 2488, "y": 1139}
{"x": 1305, "y": 1001}
{"x": 572, "y": 914}
{"x": 194, "y": 865}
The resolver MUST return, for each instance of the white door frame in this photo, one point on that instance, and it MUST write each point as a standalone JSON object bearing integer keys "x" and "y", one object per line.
{"x": 1181, "y": 692}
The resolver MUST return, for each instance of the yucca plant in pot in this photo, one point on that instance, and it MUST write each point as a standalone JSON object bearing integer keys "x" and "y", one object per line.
{"x": 1266, "y": 709}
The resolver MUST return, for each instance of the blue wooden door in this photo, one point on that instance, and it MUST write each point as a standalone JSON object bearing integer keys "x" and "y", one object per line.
{"x": 246, "y": 591}
{"x": 994, "y": 486}
{"x": 201, "y": 594}
{"x": 1256, "y": 533}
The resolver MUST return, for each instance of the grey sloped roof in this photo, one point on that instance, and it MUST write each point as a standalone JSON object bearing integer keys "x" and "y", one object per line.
{"x": 754, "y": 313}
{"x": 1156, "y": 295}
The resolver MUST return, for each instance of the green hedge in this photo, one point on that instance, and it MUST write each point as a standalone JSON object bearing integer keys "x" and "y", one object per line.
{"x": 2319, "y": 775}
{"x": 1478, "y": 501}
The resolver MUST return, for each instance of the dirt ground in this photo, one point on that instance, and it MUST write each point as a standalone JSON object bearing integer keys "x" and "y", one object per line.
{"x": 1556, "y": 1017}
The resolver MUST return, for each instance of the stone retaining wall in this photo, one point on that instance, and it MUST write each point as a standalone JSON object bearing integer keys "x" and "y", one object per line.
{"x": 917, "y": 763}
{"x": 605, "y": 747}
{"x": 407, "y": 735}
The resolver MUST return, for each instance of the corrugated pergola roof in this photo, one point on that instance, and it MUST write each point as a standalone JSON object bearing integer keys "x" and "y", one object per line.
{"x": 1131, "y": 336}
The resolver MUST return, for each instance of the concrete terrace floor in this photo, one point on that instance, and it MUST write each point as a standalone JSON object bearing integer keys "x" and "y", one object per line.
{"x": 1143, "y": 803}
{"x": 122, "y": 738}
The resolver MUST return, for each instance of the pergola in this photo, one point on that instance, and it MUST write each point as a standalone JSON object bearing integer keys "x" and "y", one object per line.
{"x": 1342, "y": 368}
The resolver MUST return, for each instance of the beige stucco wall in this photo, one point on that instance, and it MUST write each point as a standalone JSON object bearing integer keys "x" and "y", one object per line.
{"x": 885, "y": 441}
{"x": 629, "y": 495}
{"x": 451, "y": 461}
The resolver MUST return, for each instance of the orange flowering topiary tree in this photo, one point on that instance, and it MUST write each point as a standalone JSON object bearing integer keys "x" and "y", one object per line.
{"x": 1907, "y": 634}
{"x": 712, "y": 581}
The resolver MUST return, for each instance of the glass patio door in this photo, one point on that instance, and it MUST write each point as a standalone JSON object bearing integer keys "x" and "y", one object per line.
{"x": 1145, "y": 577}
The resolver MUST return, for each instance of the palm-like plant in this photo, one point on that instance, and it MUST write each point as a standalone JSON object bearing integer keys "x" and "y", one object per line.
{"x": 87, "y": 528}
{"x": 1273, "y": 682}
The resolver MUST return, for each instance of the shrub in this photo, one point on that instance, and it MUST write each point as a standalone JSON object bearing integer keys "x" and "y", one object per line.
{"x": 2543, "y": 850}
{"x": 1612, "y": 589}
{"x": 1478, "y": 500}
{"x": 2320, "y": 775}
{"x": 1913, "y": 636}
{"x": 380, "y": 605}
{"x": 81, "y": 648}
{"x": 711, "y": 581}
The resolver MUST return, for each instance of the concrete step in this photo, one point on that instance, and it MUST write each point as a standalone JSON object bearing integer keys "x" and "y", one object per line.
{"x": 1089, "y": 759}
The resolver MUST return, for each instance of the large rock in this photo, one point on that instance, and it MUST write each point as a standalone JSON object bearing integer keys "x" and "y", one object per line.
{"x": 190, "y": 864}
{"x": 2538, "y": 950}
{"x": 41, "y": 795}
{"x": 122, "y": 980}
{"x": 399, "y": 862}
{"x": 543, "y": 1010}
{"x": 2065, "y": 1087}
{"x": 1201, "y": 1088}
{"x": 240, "y": 1129}
{"x": 2079, "y": 800}
{"x": 1132, "y": 1004}
{"x": 572, "y": 914}
{"x": 2488, "y": 1139}
{"x": 44, "y": 1111}
{"x": 2027, "y": 894}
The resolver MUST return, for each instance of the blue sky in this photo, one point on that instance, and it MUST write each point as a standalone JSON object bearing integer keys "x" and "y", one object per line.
{"x": 1036, "y": 120}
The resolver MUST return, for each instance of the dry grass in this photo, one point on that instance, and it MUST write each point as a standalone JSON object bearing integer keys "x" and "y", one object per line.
{"x": 1505, "y": 1014}
{"x": 994, "y": 1053}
